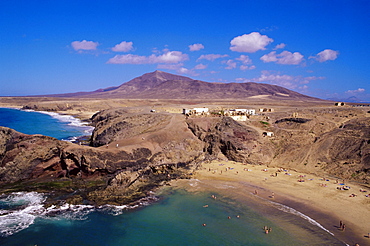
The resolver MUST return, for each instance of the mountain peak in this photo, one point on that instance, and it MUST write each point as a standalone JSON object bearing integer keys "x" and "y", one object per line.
{"x": 163, "y": 76}
{"x": 162, "y": 85}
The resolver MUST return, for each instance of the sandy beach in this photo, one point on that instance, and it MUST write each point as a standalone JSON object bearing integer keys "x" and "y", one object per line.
{"x": 326, "y": 200}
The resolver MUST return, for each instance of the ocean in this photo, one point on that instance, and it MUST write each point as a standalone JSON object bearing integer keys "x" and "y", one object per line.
{"x": 171, "y": 216}
{"x": 62, "y": 127}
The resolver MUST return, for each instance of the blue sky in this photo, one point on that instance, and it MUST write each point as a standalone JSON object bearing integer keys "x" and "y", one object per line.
{"x": 317, "y": 47}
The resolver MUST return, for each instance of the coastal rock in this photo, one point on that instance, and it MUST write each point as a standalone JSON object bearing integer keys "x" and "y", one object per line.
{"x": 46, "y": 164}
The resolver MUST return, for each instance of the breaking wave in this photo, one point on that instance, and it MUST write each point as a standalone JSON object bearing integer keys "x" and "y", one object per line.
{"x": 19, "y": 210}
{"x": 71, "y": 121}
{"x": 290, "y": 210}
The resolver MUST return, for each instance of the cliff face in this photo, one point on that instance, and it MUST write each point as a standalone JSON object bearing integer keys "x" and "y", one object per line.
{"x": 80, "y": 173}
{"x": 317, "y": 145}
{"x": 224, "y": 137}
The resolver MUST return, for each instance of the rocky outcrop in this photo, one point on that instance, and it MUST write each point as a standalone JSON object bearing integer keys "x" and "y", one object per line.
{"x": 231, "y": 139}
{"x": 35, "y": 162}
{"x": 116, "y": 124}
{"x": 345, "y": 151}
{"x": 323, "y": 146}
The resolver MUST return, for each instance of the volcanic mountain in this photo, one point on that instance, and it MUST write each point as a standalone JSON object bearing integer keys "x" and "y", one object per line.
{"x": 162, "y": 85}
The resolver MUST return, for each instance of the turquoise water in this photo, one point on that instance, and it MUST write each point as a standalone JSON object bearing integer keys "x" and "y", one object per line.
{"x": 173, "y": 217}
{"x": 176, "y": 219}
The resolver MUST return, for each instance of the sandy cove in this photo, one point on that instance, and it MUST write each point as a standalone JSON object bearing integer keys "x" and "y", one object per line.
{"x": 316, "y": 197}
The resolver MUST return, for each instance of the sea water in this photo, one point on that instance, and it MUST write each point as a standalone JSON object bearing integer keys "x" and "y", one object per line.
{"x": 62, "y": 127}
{"x": 173, "y": 217}
{"x": 177, "y": 217}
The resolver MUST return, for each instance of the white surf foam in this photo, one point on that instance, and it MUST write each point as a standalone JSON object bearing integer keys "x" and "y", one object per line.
{"x": 20, "y": 209}
{"x": 23, "y": 209}
{"x": 297, "y": 213}
{"x": 70, "y": 120}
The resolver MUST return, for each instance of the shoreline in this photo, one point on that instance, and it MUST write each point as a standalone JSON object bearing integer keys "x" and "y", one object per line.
{"x": 308, "y": 194}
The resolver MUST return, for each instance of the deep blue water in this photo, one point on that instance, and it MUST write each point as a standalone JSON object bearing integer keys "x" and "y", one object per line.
{"x": 175, "y": 217}
{"x": 49, "y": 124}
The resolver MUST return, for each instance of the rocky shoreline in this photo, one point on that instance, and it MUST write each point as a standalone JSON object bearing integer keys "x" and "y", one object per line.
{"x": 132, "y": 152}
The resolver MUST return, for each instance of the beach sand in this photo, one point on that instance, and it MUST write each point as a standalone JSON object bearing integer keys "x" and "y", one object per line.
{"x": 317, "y": 197}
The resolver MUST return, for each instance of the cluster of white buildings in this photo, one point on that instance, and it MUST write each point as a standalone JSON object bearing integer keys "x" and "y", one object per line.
{"x": 235, "y": 114}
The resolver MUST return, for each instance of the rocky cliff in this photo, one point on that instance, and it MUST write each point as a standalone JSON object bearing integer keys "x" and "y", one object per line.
{"x": 80, "y": 174}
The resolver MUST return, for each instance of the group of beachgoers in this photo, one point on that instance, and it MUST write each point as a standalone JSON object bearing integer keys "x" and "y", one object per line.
{"x": 301, "y": 178}
{"x": 267, "y": 230}
{"x": 206, "y": 206}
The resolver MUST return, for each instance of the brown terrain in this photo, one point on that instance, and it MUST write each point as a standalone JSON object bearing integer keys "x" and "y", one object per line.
{"x": 142, "y": 140}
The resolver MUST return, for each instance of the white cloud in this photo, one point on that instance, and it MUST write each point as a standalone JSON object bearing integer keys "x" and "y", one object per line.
{"x": 244, "y": 59}
{"x": 200, "y": 66}
{"x": 184, "y": 70}
{"x": 196, "y": 47}
{"x": 230, "y": 64}
{"x": 84, "y": 45}
{"x": 285, "y": 57}
{"x": 168, "y": 57}
{"x": 280, "y": 46}
{"x": 359, "y": 90}
{"x": 170, "y": 66}
{"x": 178, "y": 68}
{"x": 245, "y": 67}
{"x": 123, "y": 47}
{"x": 326, "y": 55}
{"x": 211, "y": 57}
{"x": 284, "y": 80}
{"x": 250, "y": 42}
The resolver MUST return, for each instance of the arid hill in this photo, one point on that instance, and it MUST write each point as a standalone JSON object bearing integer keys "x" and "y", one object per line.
{"x": 162, "y": 85}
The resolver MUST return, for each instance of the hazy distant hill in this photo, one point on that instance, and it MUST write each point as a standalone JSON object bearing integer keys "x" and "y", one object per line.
{"x": 351, "y": 99}
{"x": 162, "y": 85}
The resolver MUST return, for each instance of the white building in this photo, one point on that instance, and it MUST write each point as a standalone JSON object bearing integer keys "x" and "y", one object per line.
{"x": 241, "y": 111}
{"x": 196, "y": 111}
{"x": 268, "y": 134}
